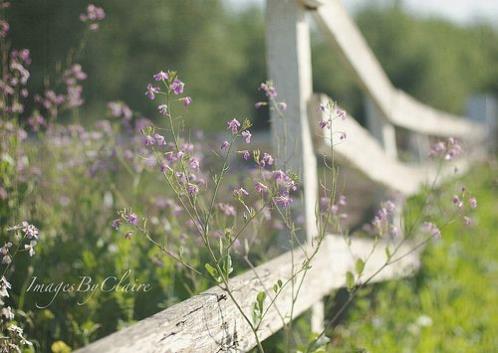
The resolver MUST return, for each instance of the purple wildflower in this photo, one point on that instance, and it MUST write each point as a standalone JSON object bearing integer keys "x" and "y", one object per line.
{"x": 192, "y": 189}
{"x": 149, "y": 140}
{"x": 225, "y": 145}
{"x": 454, "y": 149}
{"x": 161, "y": 76}
{"x": 260, "y": 187}
{"x": 282, "y": 200}
{"x": 240, "y": 192}
{"x": 457, "y": 202}
{"x": 29, "y": 230}
{"x": 268, "y": 88}
{"x": 343, "y": 200}
{"x": 467, "y": 221}
{"x": 233, "y": 125}
{"x": 163, "y": 109}
{"x": 4, "y": 28}
{"x": 159, "y": 139}
{"x": 341, "y": 114}
{"x": 246, "y": 135}
{"x": 132, "y": 218}
{"x": 194, "y": 163}
{"x": 473, "y": 202}
{"x": 325, "y": 123}
{"x": 432, "y": 229}
{"x": 267, "y": 159}
{"x": 116, "y": 223}
{"x": 279, "y": 175}
{"x": 151, "y": 91}
{"x": 246, "y": 154}
{"x": 177, "y": 86}
{"x": 186, "y": 101}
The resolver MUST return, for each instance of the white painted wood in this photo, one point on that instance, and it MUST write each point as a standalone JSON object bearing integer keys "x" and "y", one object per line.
{"x": 209, "y": 322}
{"x": 363, "y": 153}
{"x": 483, "y": 108}
{"x": 289, "y": 67}
{"x": 383, "y": 131}
{"x": 312, "y": 4}
{"x": 397, "y": 107}
{"x": 409, "y": 113}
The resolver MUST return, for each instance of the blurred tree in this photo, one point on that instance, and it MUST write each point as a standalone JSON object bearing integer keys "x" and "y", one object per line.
{"x": 220, "y": 55}
{"x": 436, "y": 61}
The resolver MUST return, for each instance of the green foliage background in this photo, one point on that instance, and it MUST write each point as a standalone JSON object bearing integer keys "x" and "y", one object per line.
{"x": 456, "y": 288}
{"x": 220, "y": 53}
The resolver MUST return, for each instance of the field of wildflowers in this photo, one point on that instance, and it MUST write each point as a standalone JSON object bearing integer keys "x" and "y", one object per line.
{"x": 107, "y": 224}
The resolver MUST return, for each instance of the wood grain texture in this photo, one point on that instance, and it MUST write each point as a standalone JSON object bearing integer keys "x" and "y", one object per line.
{"x": 397, "y": 107}
{"x": 289, "y": 67}
{"x": 363, "y": 153}
{"x": 210, "y": 322}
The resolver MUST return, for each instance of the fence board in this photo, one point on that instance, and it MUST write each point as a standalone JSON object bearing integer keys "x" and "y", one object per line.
{"x": 398, "y": 107}
{"x": 210, "y": 322}
{"x": 362, "y": 152}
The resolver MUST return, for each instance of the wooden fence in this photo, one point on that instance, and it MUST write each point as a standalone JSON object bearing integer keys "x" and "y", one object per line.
{"x": 210, "y": 322}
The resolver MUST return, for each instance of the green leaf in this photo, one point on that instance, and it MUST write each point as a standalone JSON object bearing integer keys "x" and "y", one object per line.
{"x": 359, "y": 266}
{"x": 260, "y": 299}
{"x": 349, "y": 280}
{"x": 388, "y": 252}
{"x": 213, "y": 272}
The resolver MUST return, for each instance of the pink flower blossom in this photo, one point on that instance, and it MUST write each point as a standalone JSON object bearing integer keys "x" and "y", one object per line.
{"x": 268, "y": 88}
{"x": 473, "y": 202}
{"x": 282, "y": 201}
{"x": 186, "y": 101}
{"x": 245, "y": 154}
{"x": 177, "y": 86}
{"x": 159, "y": 139}
{"x": 163, "y": 109}
{"x": 225, "y": 145}
{"x": 4, "y": 28}
{"x": 194, "y": 163}
{"x": 246, "y": 135}
{"x": 260, "y": 187}
{"x": 325, "y": 123}
{"x": 161, "y": 76}
{"x": 267, "y": 159}
{"x": 149, "y": 140}
{"x": 192, "y": 189}
{"x": 457, "y": 202}
{"x": 432, "y": 229}
{"x": 467, "y": 221}
{"x": 240, "y": 192}
{"x": 279, "y": 175}
{"x": 151, "y": 91}
{"x": 343, "y": 200}
{"x": 131, "y": 218}
{"x": 233, "y": 125}
{"x": 341, "y": 114}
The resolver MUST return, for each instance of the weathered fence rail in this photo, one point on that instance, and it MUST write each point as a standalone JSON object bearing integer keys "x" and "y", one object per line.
{"x": 210, "y": 321}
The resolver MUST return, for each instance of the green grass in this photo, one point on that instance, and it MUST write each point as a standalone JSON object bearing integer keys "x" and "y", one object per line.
{"x": 451, "y": 306}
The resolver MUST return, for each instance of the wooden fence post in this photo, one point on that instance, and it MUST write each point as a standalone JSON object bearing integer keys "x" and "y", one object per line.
{"x": 289, "y": 67}
{"x": 380, "y": 128}
{"x": 483, "y": 109}
{"x": 385, "y": 133}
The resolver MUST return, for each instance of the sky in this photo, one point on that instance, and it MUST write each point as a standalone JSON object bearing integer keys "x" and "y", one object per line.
{"x": 460, "y": 11}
